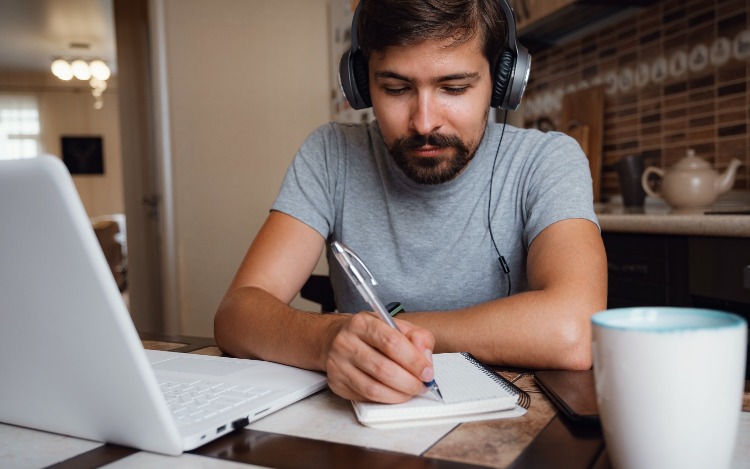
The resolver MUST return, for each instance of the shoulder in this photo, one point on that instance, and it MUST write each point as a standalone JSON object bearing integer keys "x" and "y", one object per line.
{"x": 338, "y": 137}
{"x": 341, "y": 130}
{"x": 533, "y": 145}
{"x": 537, "y": 138}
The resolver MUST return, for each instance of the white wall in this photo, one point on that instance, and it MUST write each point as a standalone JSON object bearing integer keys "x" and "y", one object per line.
{"x": 66, "y": 108}
{"x": 247, "y": 81}
{"x": 73, "y": 114}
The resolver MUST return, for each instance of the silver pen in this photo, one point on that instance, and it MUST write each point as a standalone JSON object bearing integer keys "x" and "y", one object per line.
{"x": 351, "y": 264}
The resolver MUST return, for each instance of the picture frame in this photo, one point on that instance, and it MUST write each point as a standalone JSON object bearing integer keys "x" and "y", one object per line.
{"x": 83, "y": 155}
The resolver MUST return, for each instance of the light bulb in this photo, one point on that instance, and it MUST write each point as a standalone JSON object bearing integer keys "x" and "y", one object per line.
{"x": 80, "y": 69}
{"x": 99, "y": 70}
{"x": 61, "y": 69}
{"x": 98, "y": 84}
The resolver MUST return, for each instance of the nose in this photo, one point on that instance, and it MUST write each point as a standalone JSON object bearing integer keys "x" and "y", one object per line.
{"x": 425, "y": 114}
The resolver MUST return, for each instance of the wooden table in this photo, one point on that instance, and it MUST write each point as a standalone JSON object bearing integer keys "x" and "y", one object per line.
{"x": 541, "y": 438}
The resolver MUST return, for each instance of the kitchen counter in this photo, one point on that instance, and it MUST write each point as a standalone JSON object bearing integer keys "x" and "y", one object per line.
{"x": 657, "y": 218}
{"x": 676, "y": 224}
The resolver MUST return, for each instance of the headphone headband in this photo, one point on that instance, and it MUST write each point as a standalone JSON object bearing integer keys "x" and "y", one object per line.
{"x": 510, "y": 76}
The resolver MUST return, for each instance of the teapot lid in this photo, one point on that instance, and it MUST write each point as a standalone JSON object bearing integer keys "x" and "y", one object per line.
{"x": 691, "y": 162}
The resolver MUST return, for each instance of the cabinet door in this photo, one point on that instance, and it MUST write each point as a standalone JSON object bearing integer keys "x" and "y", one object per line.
{"x": 528, "y": 11}
{"x": 646, "y": 270}
{"x": 718, "y": 267}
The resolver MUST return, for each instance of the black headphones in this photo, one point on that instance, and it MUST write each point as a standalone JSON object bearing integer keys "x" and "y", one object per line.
{"x": 510, "y": 77}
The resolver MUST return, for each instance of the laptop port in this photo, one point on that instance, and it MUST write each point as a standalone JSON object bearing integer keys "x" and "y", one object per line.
{"x": 239, "y": 423}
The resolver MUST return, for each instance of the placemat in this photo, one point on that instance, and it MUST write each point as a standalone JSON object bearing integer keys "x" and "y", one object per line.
{"x": 326, "y": 416}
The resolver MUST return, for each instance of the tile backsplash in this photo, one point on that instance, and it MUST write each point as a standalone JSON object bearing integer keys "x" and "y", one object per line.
{"x": 675, "y": 76}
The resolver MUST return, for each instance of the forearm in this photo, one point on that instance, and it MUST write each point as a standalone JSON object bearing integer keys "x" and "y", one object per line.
{"x": 366, "y": 360}
{"x": 252, "y": 323}
{"x": 548, "y": 326}
{"x": 535, "y": 329}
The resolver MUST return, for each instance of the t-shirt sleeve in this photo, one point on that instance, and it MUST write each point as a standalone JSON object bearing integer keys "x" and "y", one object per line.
{"x": 308, "y": 187}
{"x": 559, "y": 186}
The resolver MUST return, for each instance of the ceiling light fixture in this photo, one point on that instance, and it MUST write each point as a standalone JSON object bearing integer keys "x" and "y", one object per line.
{"x": 61, "y": 69}
{"x": 96, "y": 72}
{"x": 80, "y": 69}
{"x": 99, "y": 70}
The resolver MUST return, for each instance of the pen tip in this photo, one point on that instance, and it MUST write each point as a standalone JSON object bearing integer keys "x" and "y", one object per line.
{"x": 435, "y": 391}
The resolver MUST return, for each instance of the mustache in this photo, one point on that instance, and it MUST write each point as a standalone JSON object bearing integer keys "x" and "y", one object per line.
{"x": 412, "y": 142}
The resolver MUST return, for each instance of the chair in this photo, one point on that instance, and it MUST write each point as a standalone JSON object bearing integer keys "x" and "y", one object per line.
{"x": 318, "y": 289}
{"x": 106, "y": 233}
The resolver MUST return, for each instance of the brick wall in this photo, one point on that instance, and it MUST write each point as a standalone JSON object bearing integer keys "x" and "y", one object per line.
{"x": 676, "y": 77}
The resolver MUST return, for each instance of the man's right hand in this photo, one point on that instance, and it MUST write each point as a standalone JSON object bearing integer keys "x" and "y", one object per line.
{"x": 370, "y": 361}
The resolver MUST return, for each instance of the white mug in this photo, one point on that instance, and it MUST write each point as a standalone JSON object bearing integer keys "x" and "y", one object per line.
{"x": 669, "y": 385}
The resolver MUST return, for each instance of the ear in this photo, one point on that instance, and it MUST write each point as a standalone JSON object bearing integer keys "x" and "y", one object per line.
{"x": 502, "y": 76}
{"x": 361, "y": 77}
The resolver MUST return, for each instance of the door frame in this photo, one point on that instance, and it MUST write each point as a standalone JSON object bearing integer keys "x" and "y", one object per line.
{"x": 146, "y": 162}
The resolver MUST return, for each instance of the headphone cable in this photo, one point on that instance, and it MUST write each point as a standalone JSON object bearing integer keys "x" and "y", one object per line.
{"x": 500, "y": 258}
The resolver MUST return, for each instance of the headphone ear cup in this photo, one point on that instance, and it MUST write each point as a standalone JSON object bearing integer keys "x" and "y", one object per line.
{"x": 503, "y": 72}
{"x": 361, "y": 77}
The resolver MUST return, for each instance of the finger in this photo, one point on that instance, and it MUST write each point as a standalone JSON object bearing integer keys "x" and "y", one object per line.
{"x": 351, "y": 383}
{"x": 346, "y": 377}
{"x": 355, "y": 344}
{"x": 421, "y": 338}
{"x": 424, "y": 341}
{"x": 398, "y": 349}
{"x": 390, "y": 373}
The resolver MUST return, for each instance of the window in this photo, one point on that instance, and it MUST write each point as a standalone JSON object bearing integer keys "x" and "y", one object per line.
{"x": 19, "y": 126}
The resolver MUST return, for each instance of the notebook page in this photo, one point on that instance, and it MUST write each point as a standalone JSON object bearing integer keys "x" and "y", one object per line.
{"x": 461, "y": 383}
{"x": 467, "y": 389}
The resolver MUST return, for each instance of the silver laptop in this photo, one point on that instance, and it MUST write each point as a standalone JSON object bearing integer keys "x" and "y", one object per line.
{"x": 71, "y": 361}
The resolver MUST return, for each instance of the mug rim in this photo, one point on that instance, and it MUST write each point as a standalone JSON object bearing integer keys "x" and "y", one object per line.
{"x": 609, "y": 319}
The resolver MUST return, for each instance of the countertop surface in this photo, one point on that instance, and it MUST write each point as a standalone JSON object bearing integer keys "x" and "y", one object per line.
{"x": 729, "y": 217}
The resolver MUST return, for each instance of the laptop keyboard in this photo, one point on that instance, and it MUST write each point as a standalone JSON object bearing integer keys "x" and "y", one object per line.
{"x": 194, "y": 400}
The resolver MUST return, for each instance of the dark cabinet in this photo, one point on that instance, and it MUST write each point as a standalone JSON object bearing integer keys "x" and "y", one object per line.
{"x": 667, "y": 270}
{"x": 719, "y": 270}
{"x": 646, "y": 270}
{"x": 671, "y": 270}
{"x": 545, "y": 23}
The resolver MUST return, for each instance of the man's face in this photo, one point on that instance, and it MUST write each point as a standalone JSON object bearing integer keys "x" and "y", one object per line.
{"x": 431, "y": 101}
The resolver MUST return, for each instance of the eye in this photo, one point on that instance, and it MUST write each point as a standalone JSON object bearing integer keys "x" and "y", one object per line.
{"x": 393, "y": 91}
{"x": 456, "y": 90}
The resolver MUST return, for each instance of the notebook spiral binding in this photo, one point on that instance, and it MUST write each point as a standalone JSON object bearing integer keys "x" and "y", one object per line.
{"x": 524, "y": 400}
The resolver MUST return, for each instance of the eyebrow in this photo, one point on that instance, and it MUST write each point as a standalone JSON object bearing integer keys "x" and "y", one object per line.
{"x": 454, "y": 76}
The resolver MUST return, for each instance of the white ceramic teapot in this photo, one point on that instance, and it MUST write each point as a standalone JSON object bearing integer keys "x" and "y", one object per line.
{"x": 691, "y": 184}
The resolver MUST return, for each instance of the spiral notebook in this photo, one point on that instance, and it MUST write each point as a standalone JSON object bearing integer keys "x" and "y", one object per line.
{"x": 471, "y": 391}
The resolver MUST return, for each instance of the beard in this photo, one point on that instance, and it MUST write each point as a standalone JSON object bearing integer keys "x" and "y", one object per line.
{"x": 430, "y": 170}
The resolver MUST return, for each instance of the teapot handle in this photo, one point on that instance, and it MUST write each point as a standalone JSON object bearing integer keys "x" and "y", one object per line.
{"x": 644, "y": 180}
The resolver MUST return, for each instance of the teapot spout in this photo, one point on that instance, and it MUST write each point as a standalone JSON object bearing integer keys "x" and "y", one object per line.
{"x": 725, "y": 181}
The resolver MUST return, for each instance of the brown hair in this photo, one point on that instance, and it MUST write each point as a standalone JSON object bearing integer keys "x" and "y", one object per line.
{"x": 386, "y": 23}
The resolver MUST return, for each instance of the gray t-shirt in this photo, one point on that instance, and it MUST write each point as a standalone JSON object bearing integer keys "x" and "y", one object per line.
{"x": 429, "y": 246}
